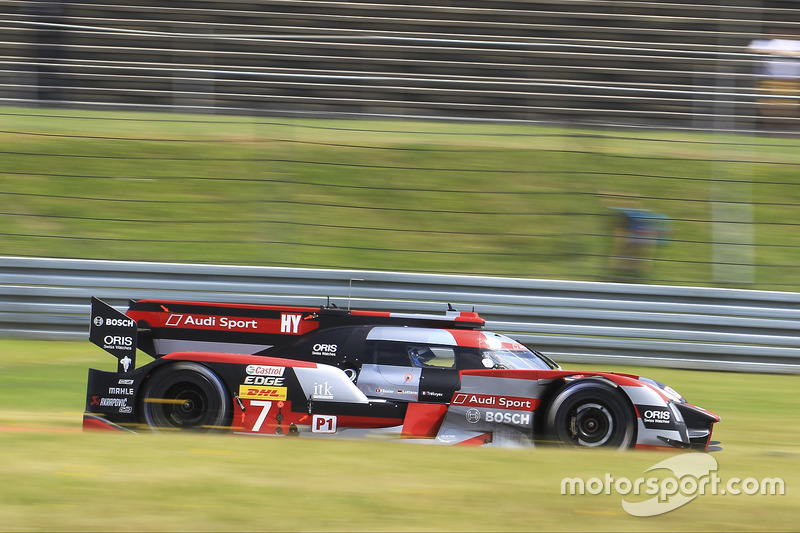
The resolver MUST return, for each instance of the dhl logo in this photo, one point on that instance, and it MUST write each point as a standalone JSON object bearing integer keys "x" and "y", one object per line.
{"x": 262, "y": 393}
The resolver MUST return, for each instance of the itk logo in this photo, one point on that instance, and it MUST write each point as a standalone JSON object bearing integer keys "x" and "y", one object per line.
{"x": 323, "y": 390}
{"x": 690, "y": 475}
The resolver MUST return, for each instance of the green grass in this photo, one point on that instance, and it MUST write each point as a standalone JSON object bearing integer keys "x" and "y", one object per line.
{"x": 56, "y": 478}
{"x": 408, "y": 196}
{"x": 519, "y": 200}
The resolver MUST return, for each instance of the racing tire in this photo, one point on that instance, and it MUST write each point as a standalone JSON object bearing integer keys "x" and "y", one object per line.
{"x": 186, "y": 396}
{"x": 591, "y": 414}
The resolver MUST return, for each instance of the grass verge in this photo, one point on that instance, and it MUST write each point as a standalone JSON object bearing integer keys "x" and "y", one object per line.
{"x": 59, "y": 479}
{"x": 515, "y": 200}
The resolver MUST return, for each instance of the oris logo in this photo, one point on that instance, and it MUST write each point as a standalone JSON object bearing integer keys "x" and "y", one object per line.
{"x": 116, "y": 340}
{"x": 654, "y": 418}
{"x": 324, "y": 349}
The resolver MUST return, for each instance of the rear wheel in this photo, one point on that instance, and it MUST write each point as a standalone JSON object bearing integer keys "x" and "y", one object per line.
{"x": 186, "y": 396}
{"x": 591, "y": 414}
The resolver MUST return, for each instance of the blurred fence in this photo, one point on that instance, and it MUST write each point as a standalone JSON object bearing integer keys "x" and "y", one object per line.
{"x": 599, "y": 323}
{"x": 680, "y": 64}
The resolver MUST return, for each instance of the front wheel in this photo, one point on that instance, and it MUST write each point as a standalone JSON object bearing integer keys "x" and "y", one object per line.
{"x": 186, "y": 396}
{"x": 591, "y": 414}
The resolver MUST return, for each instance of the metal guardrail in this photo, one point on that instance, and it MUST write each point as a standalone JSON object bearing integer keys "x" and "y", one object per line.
{"x": 572, "y": 321}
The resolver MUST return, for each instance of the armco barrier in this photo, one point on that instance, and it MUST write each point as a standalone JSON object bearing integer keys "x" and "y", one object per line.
{"x": 572, "y": 321}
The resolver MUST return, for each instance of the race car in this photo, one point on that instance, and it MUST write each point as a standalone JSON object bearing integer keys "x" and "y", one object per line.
{"x": 331, "y": 372}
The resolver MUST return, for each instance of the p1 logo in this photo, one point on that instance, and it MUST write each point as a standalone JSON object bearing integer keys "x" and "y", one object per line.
{"x": 323, "y": 424}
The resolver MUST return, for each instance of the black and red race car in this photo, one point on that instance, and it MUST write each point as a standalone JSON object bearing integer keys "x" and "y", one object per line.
{"x": 327, "y": 372}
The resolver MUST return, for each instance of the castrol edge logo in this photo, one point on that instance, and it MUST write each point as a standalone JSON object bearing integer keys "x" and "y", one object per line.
{"x": 264, "y": 370}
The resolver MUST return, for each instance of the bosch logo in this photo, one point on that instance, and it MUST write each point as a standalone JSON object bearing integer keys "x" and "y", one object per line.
{"x": 124, "y": 322}
{"x": 98, "y": 321}
{"x": 517, "y": 419}
{"x": 473, "y": 416}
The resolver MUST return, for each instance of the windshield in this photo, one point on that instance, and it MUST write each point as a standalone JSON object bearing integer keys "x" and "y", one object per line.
{"x": 519, "y": 359}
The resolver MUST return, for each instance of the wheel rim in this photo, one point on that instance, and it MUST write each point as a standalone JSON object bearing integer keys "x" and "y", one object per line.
{"x": 590, "y": 413}
{"x": 186, "y": 396}
{"x": 185, "y": 405}
{"x": 591, "y": 424}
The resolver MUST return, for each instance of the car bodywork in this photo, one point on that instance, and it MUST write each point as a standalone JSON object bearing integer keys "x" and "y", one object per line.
{"x": 330, "y": 372}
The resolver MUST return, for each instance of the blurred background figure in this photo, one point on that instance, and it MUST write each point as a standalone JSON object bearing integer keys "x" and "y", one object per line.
{"x": 638, "y": 233}
{"x": 779, "y": 79}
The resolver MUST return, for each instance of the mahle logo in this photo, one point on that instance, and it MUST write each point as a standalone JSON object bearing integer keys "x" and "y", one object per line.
{"x": 691, "y": 475}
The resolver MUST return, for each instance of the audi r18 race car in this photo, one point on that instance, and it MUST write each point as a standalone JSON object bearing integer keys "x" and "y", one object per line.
{"x": 328, "y": 372}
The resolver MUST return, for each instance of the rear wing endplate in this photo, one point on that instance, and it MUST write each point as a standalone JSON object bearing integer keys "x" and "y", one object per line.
{"x": 114, "y": 332}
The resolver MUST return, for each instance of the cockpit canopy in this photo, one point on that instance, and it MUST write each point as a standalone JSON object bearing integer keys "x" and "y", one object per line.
{"x": 462, "y": 350}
